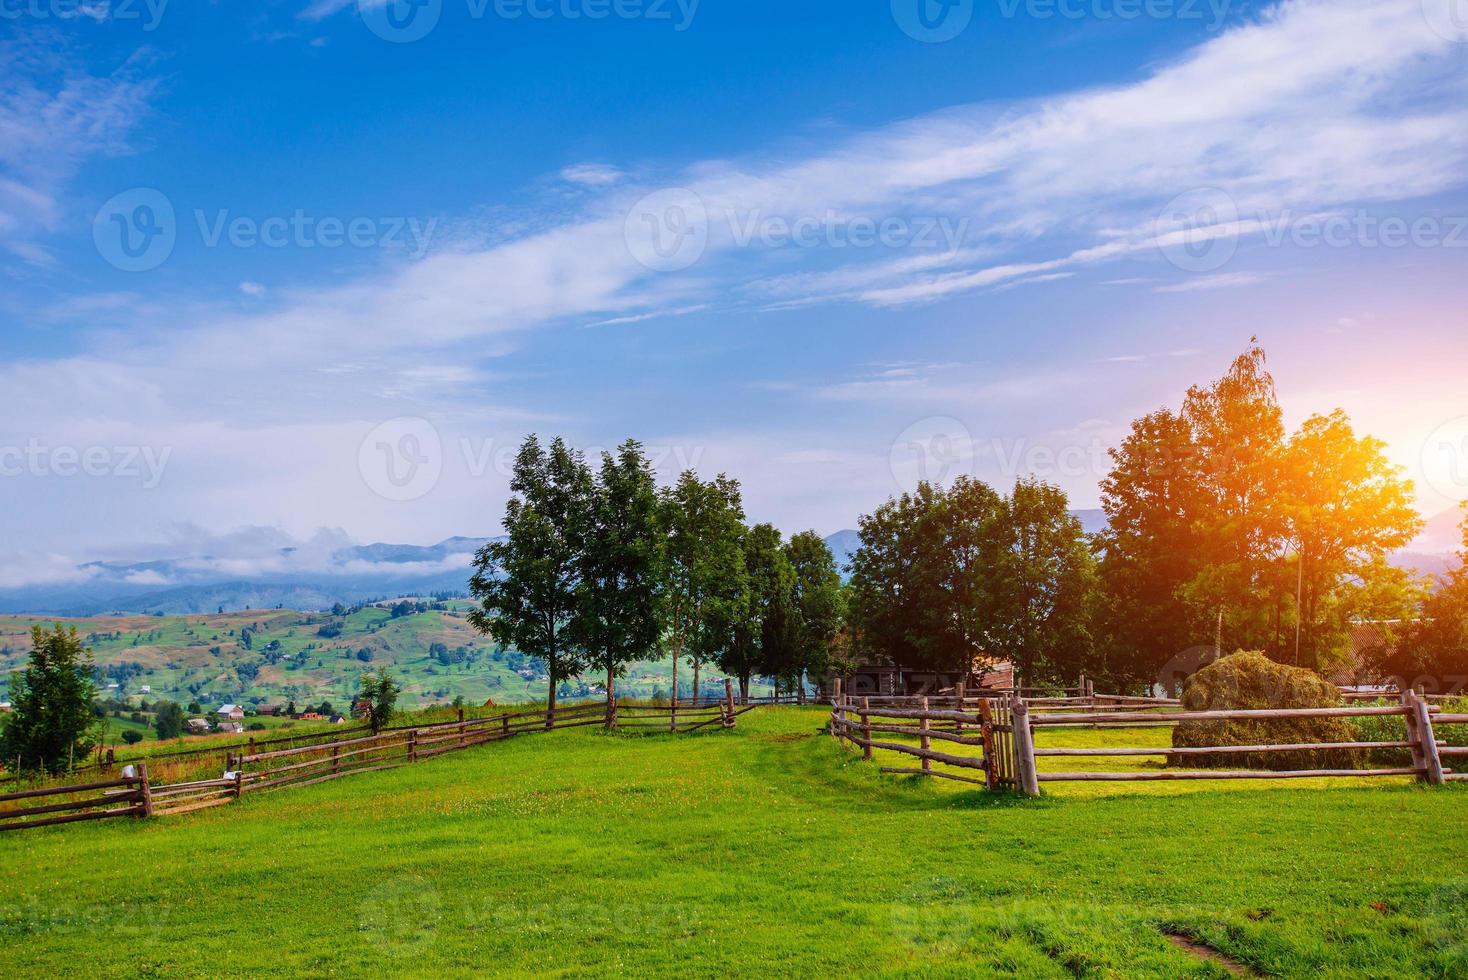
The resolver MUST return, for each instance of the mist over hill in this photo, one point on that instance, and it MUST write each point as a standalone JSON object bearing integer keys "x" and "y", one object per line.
{"x": 316, "y": 574}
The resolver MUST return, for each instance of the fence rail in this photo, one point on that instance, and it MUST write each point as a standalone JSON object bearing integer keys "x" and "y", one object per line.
{"x": 131, "y": 791}
{"x": 1005, "y": 727}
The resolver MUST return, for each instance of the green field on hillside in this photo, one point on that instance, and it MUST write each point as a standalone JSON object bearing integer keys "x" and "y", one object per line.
{"x": 763, "y": 850}
{"x": 274, "y": 656}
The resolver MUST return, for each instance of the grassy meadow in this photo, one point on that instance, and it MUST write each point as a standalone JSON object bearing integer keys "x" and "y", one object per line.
{"x": 767, "y": 848}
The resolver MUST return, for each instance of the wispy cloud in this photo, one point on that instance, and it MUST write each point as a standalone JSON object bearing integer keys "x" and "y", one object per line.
{"x": 1225, "y": 280}
{"x": 54, "y": 117}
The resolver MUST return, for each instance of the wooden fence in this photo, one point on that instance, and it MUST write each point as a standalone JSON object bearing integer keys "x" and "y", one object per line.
{"x": 1004, "y": 728}
{"x": 129, "y": 796}
{"x": 259, "y": 767}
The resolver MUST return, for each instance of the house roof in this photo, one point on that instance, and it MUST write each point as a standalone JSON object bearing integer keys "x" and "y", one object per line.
{"x": 225, "y": 709}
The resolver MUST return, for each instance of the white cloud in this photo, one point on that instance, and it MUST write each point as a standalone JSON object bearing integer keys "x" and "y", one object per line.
{"x": 592, "y": 175}
{"x": 252, "y": 289}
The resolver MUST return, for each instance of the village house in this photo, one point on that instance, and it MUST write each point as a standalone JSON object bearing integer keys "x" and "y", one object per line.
{"x": 198, "y": 725}
{"x": 231, "y": 712}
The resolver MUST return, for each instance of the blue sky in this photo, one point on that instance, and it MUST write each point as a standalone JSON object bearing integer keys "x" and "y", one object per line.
{"x": 264, "y": 267}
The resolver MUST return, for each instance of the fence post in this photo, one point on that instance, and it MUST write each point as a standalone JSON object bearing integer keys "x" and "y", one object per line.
{"x": 986, "y": 721}
{"x": 461, "y": 726}
{"x": 145, "y": 790}
{"x": 835, "y": 708}
{"x": 336, "y": 759}
{"x": 1024, "y": 750}
{"x": 866, "y": 729}
{"x": 728, "y": 703}
{"x": 1414, "y": 735}
{"x": 673, "y": 712}
{"x": 505, "y": 724}
{"x": 413, "y": 742}
{"x": 107, "y": 766}
{"x": 923, "y": 741}
{"x": 1433, "y": 765}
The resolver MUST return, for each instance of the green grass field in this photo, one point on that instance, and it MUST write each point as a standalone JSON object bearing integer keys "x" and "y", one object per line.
{"x": 764, "y": 850}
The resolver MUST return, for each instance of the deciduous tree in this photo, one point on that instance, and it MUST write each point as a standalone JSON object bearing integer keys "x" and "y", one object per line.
{"x": 703, "y": 571}
{"x": 528, "y": 584}
{"x": 819, "y": 605}
{"x": 622, "y": 564}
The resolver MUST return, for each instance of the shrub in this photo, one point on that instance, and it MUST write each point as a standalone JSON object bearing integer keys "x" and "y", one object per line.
{"x": 1251, "y": 681}
{"x": 1393, "y": 728}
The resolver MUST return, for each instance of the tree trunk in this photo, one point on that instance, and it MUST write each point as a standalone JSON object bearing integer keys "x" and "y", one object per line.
{"x": 744, "y": 689}
{"x": 800, "y": 688}
{"x": 697, "y": 662}
{"x": 550, "y": 700}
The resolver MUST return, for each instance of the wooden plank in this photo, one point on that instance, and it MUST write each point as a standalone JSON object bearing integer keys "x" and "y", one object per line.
{"x": 31, "y": 811}
{"x": 962, "y": 761}
{"x": 933, "y": 772}
{"x": 1210, "y": 750}
{"x": 191, "y": 807}
{"x": 1024, "y": 751}
{"x": 1221, "y": 774}
{"x": 1242, "y": 714}
{"x": 935, "y": 715}
{"x": 58, "y": 790}
{"x": 931, "y": 732}
{"x": 72, "y": 818}
{"x": 282, "y": 753}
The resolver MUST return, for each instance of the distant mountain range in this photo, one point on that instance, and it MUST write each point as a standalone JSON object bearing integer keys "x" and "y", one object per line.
{"x": 293, "y": 579}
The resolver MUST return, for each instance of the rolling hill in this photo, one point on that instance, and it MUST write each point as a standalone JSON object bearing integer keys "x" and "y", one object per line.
{"x": 273, "y": 656}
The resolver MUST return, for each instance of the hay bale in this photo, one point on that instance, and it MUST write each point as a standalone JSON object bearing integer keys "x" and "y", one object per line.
{"x": 1252, "y": 680}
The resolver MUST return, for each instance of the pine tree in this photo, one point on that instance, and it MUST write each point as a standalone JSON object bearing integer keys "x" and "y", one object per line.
{"x": 51, "y": 714}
